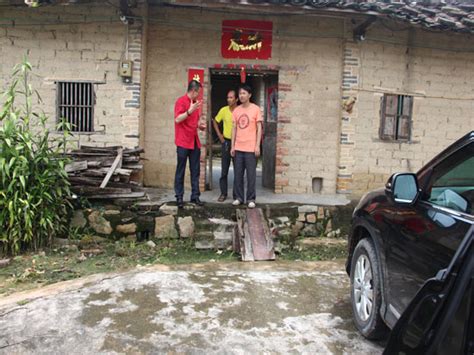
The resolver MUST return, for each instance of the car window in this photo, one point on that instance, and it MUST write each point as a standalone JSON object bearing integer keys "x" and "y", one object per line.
{"x": 452, "y": 182}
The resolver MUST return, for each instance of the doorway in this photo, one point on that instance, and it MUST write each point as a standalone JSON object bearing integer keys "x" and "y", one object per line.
{"x": 264, "y": 85}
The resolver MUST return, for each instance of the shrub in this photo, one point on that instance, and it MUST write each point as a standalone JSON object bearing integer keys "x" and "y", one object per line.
{"x": 34, "y": 185}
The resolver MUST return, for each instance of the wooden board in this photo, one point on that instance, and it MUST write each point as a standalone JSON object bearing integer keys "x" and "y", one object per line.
{"x": 259, "y": 235}
{"x": 252, "y": 236}
{"x": 117, "y": 164}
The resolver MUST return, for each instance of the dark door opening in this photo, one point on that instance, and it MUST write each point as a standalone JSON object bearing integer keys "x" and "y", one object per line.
{"x": 265, "y": 94}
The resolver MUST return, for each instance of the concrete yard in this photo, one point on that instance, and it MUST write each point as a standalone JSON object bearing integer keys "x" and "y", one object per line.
{"x": 235, "y": 308}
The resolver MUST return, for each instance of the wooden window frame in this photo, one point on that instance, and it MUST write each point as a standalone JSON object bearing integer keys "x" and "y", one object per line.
{"x": 396, "y": 135}
{"x": 75, "y": 102}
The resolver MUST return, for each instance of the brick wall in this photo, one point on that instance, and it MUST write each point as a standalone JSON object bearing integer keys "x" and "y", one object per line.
{"x": 437, "y": 69}
{"x": 78, "y": 42}
{"x": 309, "y": 91}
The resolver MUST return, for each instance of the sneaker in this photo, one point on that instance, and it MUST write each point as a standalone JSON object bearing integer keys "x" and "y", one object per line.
{"x": 251, "y": 204}
{"x": 236, "y": 203}
{"x": 221, "y": 198}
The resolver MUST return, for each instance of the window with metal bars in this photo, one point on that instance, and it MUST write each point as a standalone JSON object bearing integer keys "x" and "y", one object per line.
{"x": 396, "y": 117}
{"x": 75, "y": 105}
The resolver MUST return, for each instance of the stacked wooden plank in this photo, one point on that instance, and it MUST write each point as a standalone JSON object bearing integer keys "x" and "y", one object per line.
{"x": 105, "y": 173}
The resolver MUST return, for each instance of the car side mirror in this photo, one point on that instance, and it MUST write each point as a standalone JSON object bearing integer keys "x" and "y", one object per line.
{"x": 403, "y": 188}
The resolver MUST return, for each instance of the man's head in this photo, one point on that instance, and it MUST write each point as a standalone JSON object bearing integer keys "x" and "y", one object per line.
{"x": 245, "y": 93}
{"x": 193, "y": 89}
{"x": 231, "y": 98}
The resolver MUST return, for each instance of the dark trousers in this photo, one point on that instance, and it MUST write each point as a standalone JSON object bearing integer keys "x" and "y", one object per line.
{"x": 194, "y": 156}
{"x": 226, "y": 159}
{"x": 245, "y": 162}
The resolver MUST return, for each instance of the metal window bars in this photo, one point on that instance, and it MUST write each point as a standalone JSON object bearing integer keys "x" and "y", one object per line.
{"x": 75, "y": 105}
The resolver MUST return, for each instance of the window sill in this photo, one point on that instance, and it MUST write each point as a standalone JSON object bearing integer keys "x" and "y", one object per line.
{"x": 81, "y": 133}
{"x": 378, "y": 140}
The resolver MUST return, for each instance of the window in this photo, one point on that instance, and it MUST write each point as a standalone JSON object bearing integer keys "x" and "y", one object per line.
{"x": 396, "y": 117}
{"x": 452, "y": 182}
{"x": 75, "y": 104}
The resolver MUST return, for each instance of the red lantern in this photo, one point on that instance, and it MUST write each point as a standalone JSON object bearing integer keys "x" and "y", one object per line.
{"x": 243, "y": 75}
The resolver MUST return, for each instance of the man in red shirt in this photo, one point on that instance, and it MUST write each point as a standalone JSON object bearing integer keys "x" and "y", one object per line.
{"x": 188, "y": 146}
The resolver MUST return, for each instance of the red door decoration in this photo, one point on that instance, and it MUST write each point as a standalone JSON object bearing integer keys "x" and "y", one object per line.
{"x": 246, "y": 39}
{"x": 198, "y": 75}
{"x": 243, "y": 75}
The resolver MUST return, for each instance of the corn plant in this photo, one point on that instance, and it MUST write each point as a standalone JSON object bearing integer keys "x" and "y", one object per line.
{"x": 34, "y": 185}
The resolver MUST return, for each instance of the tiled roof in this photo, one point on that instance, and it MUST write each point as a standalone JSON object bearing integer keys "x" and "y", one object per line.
{"x": 435, "y": 14}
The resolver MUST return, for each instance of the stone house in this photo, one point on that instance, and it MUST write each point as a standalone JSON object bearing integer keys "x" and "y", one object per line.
{"x": 351, "y": 91}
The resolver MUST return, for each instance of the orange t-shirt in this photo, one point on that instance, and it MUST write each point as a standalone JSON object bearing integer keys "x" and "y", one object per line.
{"x": 245, "y": 119}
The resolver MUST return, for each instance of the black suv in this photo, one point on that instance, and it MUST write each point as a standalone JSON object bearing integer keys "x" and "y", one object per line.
{"x": 404, "y": 234}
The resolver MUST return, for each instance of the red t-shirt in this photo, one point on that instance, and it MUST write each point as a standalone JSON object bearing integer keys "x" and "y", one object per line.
{"x": 185, "y": 132}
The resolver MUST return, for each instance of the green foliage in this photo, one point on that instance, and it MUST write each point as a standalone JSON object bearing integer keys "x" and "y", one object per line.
{"x": 33, "y": 182}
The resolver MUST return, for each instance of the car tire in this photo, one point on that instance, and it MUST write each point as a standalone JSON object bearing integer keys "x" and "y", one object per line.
{"x": 366, "y": 294}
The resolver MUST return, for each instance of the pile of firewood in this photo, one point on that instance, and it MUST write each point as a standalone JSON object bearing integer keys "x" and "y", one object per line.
{"x": 105, "y": 173}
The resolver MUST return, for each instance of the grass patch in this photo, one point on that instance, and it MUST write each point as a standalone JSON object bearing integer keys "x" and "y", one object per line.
{"x": 34, "y": 270}
{"x": 50, "y": 266}
{"x": 318, "y": 253}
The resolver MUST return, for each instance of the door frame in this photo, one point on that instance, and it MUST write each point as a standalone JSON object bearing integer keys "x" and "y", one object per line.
{"x": 232, "y": 69}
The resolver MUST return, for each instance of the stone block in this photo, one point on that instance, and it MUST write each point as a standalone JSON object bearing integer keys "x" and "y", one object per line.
{"x": 165, "y": 227}
{"x": 99, "y": 223}
{"x": 320, "y": 212}
{"x": 78, "y": 220}
{"x": 186, "y": 227}
{"x": 169, "y": 210}
{"x": 204, "y": 245}
{"x": 126, "y": 228}
{"x": 307, "y": 209}
{"x": 311, "y": 218}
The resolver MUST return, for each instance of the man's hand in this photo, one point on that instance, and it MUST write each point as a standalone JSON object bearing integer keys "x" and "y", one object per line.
{"x": 194, "y": 106}
{"x": 221, "y": 138}
{"x": 202, "y": 125}
{"x": 257, "y": 151}
{"x": 232, "y": 152}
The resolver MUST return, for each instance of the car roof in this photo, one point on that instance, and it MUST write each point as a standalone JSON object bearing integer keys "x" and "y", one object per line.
{"x": 460, "y": 143}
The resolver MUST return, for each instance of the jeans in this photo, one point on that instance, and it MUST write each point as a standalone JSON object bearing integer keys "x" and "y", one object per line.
{"x": 245, "y": 162}
{"x": 226, "y": 159}
{"x": 194, "y": 156}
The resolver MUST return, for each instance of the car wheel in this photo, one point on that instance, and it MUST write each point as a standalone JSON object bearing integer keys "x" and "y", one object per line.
{"x": 366, "y": 297}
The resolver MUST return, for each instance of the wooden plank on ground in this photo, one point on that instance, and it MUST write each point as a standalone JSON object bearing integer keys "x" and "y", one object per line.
{"x": 117, "y": 164}
{"x": 112, "y": 196}
{"x": 76, "y": 166}
{"x": 252, "y": 235}
{"x": 260, "y": 236}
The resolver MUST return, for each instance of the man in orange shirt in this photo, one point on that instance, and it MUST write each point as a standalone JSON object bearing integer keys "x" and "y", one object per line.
{"x": 246, "y": 137}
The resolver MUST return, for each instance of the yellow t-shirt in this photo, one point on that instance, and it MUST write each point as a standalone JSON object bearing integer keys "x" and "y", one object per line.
{"x": 225, "y": 115}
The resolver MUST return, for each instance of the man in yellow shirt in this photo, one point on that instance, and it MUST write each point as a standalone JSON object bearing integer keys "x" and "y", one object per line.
{"x": 225, "y": 116}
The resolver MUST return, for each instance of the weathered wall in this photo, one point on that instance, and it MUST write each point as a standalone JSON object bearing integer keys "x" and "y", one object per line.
{"x": 78, "y": 42}
{"x": 437, "y": 69}
{"x": 309, "y": 58}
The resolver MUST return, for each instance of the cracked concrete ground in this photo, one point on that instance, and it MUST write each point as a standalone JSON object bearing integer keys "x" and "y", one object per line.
{"x": 209, "y": 308}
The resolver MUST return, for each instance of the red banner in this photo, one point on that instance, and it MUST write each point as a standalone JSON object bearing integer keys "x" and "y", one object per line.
{"x": 246, "y": 39}
{"x": 198, "y": 75}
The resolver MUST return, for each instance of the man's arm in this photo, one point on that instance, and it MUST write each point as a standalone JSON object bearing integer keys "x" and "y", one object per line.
{"x": 218, "y": 131}
{"x": 259, "y": 138}
{"x": 234, "y": 133}
{"x": 193, "y": 107}
{"x": 180, "y": 118}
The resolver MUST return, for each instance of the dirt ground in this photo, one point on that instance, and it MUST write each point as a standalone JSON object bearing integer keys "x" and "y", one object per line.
{"x": 211, "y": 308}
